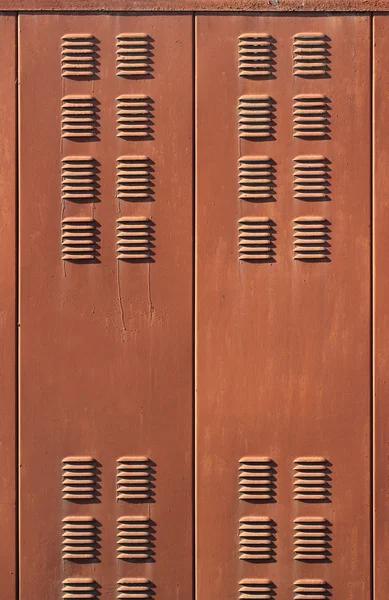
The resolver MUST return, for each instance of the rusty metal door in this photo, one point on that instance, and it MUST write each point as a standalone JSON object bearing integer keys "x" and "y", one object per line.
{"x": 106, "y": 401}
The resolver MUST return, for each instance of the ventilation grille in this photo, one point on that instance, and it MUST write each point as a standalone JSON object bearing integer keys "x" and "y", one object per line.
{"x": 135, "y": 589}
{"x": 134, "y": 178}
{"x": 256, "y": 538}
{"x": 312, "y": 479}
{"x": 135, "y": 477}
{"x": 135, "y": 538}
{"x": 256, "y": 589}
{"x": 256, "y": 117}
{"x": 135, "y": 239}
{"x": 311, "y": 589}
{"x": 79, "y": 55}
{"x": 134, "y": 55}
{"x": 256, "y": 55}
{"x": 311, "y": 239}
{"x": 256, "y": 239}
{"x": 311, "y": 55}
{"x": 79, "y": 589}
{"x": 79, "y": 239}
{"x": 256, "y": 479}
{"x": 311, "y": 178}
{"x": 257, "y": 179}
{"x": 135, "y": 116}
{"x": 312, "y": 539}
{"x": 79, "y": 478}
{"x": 79, "y": 179}
{"x": 311, "y": 116}
{"x": 79, "y": 538}
{"x": 79, "y": 117}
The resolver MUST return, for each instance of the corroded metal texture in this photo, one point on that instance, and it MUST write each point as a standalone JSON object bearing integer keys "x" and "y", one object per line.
{"x": 106, "y": 359}
{"x": 283, "y": 297}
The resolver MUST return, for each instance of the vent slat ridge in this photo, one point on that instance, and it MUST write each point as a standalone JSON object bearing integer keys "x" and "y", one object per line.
{"x": 256, "y": 55}
{"x": 135, "y": 238}
{"x": 134, "y": 177}
{"x": 79, "y": 588}
{"x": 256, "y": 589}
{"x": 79, "y": 179}
{"x": 79, "y": 55}
{"x": 79, "y": 117}
{"x": 134, "y": 56}
{"x": 311, "y": 55}
{"x": 312, "y": 589}
{"x": 135, "y": 539}
{"x": 135, "y": 478}
{"x": 311, "y": 116}
{"x": 79, "y": 478}
{"x": 256, "y": 538}
{"x": 256, "y": 117}
{"x": 257, "y": 178}
{"x": 135, "y": 117}
{"x": 135, "y": 588}
{"x": 79, "y": 238}
{"x": 312, "y": 239}
{"x": 256, "y": 239}
{"x": 311, "y": 178}
{"x": 257, "y": 479}
{"x": 312, "y": 539}
{"x": 80, "y": 539}
{"x": 312, "y": 481}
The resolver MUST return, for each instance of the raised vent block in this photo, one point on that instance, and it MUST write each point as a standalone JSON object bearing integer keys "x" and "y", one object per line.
{"x": 256, "y": 538}
{"x": 257, "y": 179}
{"x": 312, "y": 589}
{"x": 312, "y": 479}
{"x": 256, "y": 239}
{"x": 256, "y": 55}
{"x": 79, "y": 538}
{"x": 311, "y": 55}
{"x": 312, "y": 539}
{"x": 256, "y": 117}
{"x": 312, "y": 239}
{"x": 79, "y": 238}
{"x": 79, "y": 179}
{"x": 135, "y": 588}
{"x": 311, "y": 117}
{"x": 79, "y": 55}
{"x": 311, "y": 178}
{"x": 79, "y": 117}
{"x": 134, "y": 56}
{"x": 256, "y": 589}
{"x": 135, "y": 239}
{"x": 257, "y": 479}
{"x": 135, "y": 117}
{"x": 79, "y": 588}
{"x": 134, "y": 180}
{"x": 135, "y": 539}
{"x": 135, "y": 479}
{"x": 79, "y": 478}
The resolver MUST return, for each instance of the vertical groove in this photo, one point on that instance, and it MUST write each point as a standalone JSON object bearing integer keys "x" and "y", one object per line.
{"x": 372, "y": 312}
{"x": 194, "y": 302}
{"x": 17, "y": 309}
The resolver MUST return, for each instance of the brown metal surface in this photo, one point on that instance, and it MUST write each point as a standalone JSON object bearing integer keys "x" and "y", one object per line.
{"x": 106, "y": 306}
{"x": 283, "y": 331}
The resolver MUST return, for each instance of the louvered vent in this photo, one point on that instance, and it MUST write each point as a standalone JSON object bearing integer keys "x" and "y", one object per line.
{"x": 135, "y": 538}
{"x": 256, "y": 589}
{"x": 312, "y": 479}
{"x": 256, "y": 55}
{"x": 135, "y": 478}
{"x": 311, "y": 239}
{"x": 135, "y": 238}
{"x": 311, "y": 178}
{"x": 135, "y": 588}
{"x": 79, "y": 478}
{"x": 256, "y": 538}
{"x": 134, "y": 55}
{"x": 311, "y": 56}
{"x": 311, "y": 116}
{"x": 256, "y": 117}
{"x": 79, "y": 117}
{"x": 257, "y": 477}
{"x": 79, "y": 238}
{"x": 256, "y": 239}
{"x": 79, "y": 179}
{"x": 257, "y": 179}
{"x": 79, "y": 55}
{"x": 312, "y": 589}
{"x": 312, "y": 539}
{"x": 79, "y": 538}
{"x": 79, "y": 588}
{"x": 135, "y": 116}
{"x": 134, "y": 178}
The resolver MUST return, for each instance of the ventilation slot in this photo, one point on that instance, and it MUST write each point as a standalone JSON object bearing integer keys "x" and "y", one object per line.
{"x": 135, "y": 117}
{"x": 311, "y": 239}
{"x": 79, "y": 478}
{"x": 311, "y": 178}
{"x": 79, "y": 117}
{"x": 256, "y": 239}
{"x": 135, "y": 477}
{"x": 79, "y": 55}
{"x": 79, "y": 589}
{"x": 256, "y": 117}
{"x": 257, "y": 479}
{"x": 256, "y": 55}
{"x": 312, "y": 589}
{"x": 79, "y": 239}
{"x": 135, "y": 538}
{"x": 79, "y": 538}
{"x": 134, "y": 55}
{"x": 79, "y": 179}
{"x": 257, "y": 179}
{"x": 311, "y": 55}
{"x": 134, "y": 178}
{"x": 135, "y": 239}
{"x": 256, "y": 589}
{"x": 312, "y": 539}
{"x": 135, "y": 589}
{"x": 256, "y": 538}
{"x": 312, "y": 479}
{"x": 311, "y": 116}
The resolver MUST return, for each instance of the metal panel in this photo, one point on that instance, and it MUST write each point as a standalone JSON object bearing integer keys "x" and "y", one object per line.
{"x": 106, "y": 306}
{"x": 283, "y": 331}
